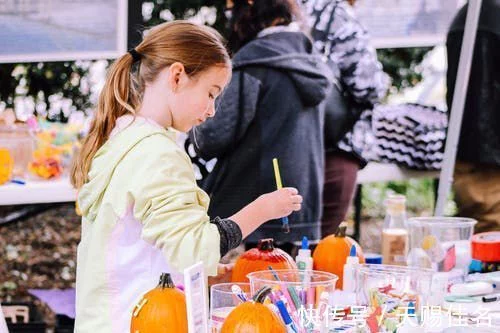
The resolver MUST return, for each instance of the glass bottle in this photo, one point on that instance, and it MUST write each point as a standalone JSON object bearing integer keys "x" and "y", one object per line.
{"x": 394, "y": 232}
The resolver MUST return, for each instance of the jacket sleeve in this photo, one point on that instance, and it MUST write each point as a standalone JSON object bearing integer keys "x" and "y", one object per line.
{"x": 235, "y": 110}
{"x": 350, "y": 48}
{"x": 173, "y": 210}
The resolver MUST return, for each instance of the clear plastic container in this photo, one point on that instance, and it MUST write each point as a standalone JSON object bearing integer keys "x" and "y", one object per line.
{"x": 223, "y": 301}
{"x": 391, "y": 292}
{"x": 20, "y": 143}
{"x": 306, "y": 294}
{"x": 442, "y": 244}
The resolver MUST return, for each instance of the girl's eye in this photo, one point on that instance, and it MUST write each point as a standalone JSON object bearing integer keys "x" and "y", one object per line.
{"x": 211, "y": 96}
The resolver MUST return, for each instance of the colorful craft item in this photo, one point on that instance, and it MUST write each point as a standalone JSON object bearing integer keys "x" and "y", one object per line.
{"x": 279, "y": 185}
{"x": 486, "y": 246}
{"x": 432, "y": 246}
{"x": 387, "y": 307}
{"x": 449, "y": 260}
{"x": 47, "y": 167}
{"x": 236, "y": 290}
{"x": 386, "y": 289}
{"x": 373, "y": 319}
{"x": 6, "y": 165}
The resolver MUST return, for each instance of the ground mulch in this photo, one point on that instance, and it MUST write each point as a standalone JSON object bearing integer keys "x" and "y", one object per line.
{"x": 38, "y": 252}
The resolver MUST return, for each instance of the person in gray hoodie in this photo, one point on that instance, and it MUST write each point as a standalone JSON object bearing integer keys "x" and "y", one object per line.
{"x": 272, "y": 108}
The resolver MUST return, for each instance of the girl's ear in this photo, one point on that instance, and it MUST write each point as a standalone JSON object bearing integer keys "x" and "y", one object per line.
{"x": 176, "y": 73}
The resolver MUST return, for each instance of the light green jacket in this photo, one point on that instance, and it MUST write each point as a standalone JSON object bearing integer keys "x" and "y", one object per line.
{"x": 143, "y": 214}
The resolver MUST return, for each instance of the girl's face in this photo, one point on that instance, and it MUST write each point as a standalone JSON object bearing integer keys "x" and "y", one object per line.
{"x": 193, "y": 98}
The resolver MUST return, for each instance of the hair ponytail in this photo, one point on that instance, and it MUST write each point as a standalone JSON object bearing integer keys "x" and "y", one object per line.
{"x": 118, "y": 97}
{"x": 196, "y": 47}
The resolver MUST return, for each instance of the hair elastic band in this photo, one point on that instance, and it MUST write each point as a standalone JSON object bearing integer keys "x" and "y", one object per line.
{"x": 136, "y": 56}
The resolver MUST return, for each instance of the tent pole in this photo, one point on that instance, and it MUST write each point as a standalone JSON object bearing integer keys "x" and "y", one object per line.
{"x": 457, "y": 107}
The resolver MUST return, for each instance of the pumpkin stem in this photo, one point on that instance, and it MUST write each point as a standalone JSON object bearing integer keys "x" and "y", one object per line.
{"x": 166, "y": 281}
{"x": 266, "y": 244}
{"x": 341, "y": 230}
{"x": 261, "y": 294}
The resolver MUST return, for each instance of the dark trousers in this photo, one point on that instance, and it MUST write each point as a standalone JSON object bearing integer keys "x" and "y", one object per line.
{"x": 477, "y": 193}
{"x": 341, "y": 171}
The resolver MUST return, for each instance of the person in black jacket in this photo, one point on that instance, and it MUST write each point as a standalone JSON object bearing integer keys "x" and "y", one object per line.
{"x": 272, "y": 108}
{"x": 340, "y": 37}
{"x": 477, "y": 171}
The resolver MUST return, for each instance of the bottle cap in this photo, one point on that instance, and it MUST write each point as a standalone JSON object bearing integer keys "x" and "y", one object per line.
{"x": 373, "y": 258}
{"x": 352, "y": 253}
{"x": 305, "y": 243}
{"x": 353, "y": 258}
{"x": 411, "y": 308}
{"x": 304, "y": 249}
{"x": 475, "y": 266}
{"x": 395, "y": 203}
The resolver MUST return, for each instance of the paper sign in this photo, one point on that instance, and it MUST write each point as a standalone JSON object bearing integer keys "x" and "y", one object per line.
{"x": 195, "y": 288}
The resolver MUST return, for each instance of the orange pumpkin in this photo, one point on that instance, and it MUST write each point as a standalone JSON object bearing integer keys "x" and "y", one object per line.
{"x": 332, "y": 251}
{"x": 6, "y": 165}
{"x": 253, "y": 317}
{"x": 260, "y": 259}
{"x": 162, "y": 309}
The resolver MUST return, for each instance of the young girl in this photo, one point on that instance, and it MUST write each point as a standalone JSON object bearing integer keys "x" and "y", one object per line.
{"x": 142, "y": 211}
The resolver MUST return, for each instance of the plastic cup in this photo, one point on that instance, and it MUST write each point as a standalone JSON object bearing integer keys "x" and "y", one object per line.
{"x": 442, "y": 244}
{"x": 20, "y": 144}
{"x": 223, "y": 301}
{"x": 306, "y": 294}
{"x": 392, "y": 291}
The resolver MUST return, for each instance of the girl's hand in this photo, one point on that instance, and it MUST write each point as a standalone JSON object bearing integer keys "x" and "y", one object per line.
{"x": 280, "y": 203}
{"x": 224, "y": 272}
{"x": 269, "y": 206}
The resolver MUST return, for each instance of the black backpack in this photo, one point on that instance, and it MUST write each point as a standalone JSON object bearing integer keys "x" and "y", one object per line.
{"x": 341, "y": 112}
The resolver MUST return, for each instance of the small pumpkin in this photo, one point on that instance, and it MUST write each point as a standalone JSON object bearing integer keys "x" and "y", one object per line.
{"x": 253, "y": 317}
{"x": 162, "y": 309}
{"x": 259, "y": 259}
{"x": 332, "y": 251}
{"x": 6, "y": 165}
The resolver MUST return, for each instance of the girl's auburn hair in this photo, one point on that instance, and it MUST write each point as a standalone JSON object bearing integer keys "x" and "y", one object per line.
{"x": 197, "y": 47}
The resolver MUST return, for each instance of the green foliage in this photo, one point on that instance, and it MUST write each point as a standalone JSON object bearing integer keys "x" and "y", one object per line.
{"x": 184, "y": 9}
{"x": 401, "y": 65}
{"x": 7, "y": 84}
{"x": 419, "y": 193}
{"x": 42, "y": 80}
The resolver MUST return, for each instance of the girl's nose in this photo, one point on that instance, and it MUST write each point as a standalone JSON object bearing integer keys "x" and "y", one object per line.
{"x": 211, "y": 110}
